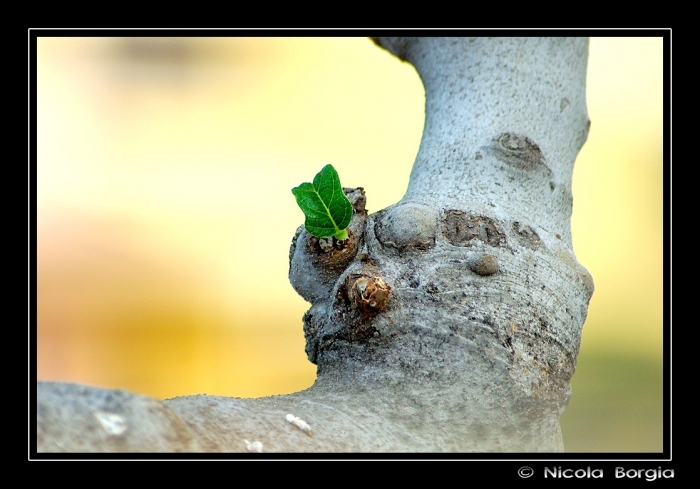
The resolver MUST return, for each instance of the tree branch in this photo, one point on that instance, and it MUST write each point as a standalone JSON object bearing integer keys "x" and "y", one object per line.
{"x": 449, "y": 321}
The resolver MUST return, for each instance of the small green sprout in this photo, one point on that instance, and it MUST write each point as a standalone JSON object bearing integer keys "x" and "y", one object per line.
{"x": 328, "y": 211}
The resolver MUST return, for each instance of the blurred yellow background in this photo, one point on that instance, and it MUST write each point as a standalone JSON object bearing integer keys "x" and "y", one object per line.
{"x": 165, "y": 213}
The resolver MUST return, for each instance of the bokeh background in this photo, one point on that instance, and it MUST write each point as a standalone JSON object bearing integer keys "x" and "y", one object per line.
{"x": 164, "y": 212}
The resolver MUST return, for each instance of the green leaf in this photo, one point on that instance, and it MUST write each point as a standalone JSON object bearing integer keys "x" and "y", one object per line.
{"x": 328, "y": 211}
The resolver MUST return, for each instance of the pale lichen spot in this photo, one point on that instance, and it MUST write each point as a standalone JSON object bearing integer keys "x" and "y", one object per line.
{"x": 299, "y": 423}
{"x": 254, "y": 446}
{"x": 114, "y": 424}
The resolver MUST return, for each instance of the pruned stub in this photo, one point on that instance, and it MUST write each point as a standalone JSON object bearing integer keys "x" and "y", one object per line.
{"x": 332, "y": 254}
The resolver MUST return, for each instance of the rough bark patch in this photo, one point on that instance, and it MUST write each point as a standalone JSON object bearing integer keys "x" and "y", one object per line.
{"x": 459, "y": 228}
{"x": 526, "y": 236}
{"x": 311, "y": 328}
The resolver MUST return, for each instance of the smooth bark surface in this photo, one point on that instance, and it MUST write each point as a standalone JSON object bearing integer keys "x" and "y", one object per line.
{"x": 450, "y": 321}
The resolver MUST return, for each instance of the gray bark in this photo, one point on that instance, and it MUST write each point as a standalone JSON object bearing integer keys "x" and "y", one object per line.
{"x": 450, "y": 321}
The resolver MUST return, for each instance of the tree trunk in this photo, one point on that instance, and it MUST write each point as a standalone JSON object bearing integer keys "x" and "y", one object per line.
{"x": 450, "y": 321}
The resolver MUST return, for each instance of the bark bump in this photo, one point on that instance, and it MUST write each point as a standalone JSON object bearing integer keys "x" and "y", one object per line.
{"x": 483, "y": 264}
{"x": 409, "y": 225}
{"x": 517, "y": 151}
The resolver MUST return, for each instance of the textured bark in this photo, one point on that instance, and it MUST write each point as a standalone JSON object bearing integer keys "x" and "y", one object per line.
{"x": 450, "y": 321}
